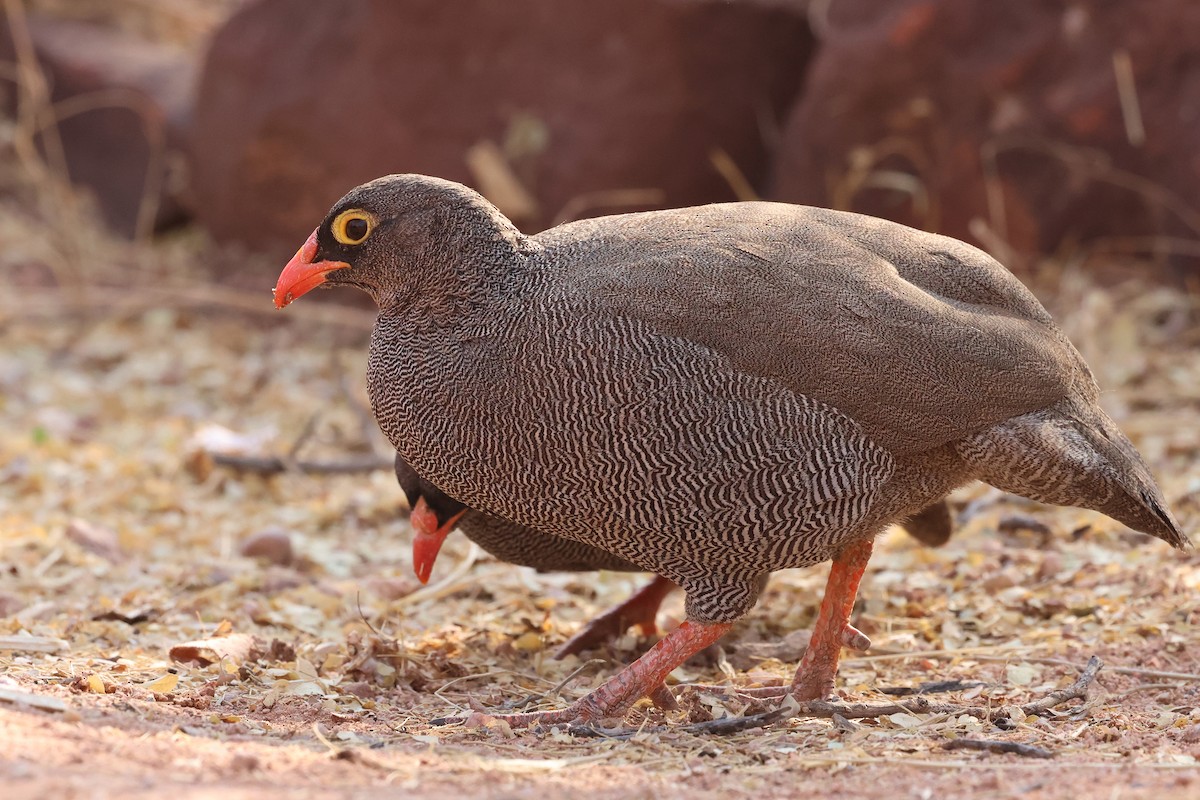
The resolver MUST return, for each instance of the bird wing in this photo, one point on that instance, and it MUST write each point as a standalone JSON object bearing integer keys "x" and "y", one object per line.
{"x": 919, "y": 338}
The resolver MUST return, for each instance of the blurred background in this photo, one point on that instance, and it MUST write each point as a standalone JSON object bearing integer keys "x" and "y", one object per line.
{"x": 1064, "y": 130}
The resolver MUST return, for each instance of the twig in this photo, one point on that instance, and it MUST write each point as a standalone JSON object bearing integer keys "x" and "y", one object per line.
{"x": 1131, "y": 110}
{"x": 438, "y": 693}
{"x": 310, "y": 426}
{"x": 55, "y": 302}
{"x": 724, "y": 164}
{"x": 1145, "y": 687}
{"x": 33, "y": 644}
{"x": 273, "y": 465}
{"x": 1096, "y": 164}
{"x": 38, "y": 701}
{"x": 334, "y": 750}
{"x": 920, "y": 705}
{"x": 847, "y": 711}
{"x": 1004, "y": 652}
{"x": 449, "y": 585}
{"x": 932, "y": 687}
{"x": 990, "y": 746}
{"x": 726, "y": 726}
{"x": 1076, "y": 690}
{"x": 731, "y": 725}
{"x": 1145, "y": 673}
{"x": 535, "y": 697}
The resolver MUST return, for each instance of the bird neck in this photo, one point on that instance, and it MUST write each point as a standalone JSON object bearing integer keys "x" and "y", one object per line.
{"x": 470, "y": 254}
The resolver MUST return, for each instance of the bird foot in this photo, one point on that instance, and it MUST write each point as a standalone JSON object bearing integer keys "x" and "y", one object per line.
{"x": 850, "y": 637}
{"x": 642, "y": 678}
{"x": 640, "y": 610}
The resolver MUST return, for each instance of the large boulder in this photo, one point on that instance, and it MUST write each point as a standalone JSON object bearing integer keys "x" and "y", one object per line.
{"x": 120, "y": 113}
{"x": 552, "y": 108}
{"x": 1039, "y": 125}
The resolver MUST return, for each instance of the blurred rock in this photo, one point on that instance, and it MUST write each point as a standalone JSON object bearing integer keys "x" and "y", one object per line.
{"x": 540, "y": 104}
{"x": 1051, "y": 123}
{"x": 272, "y": 544}
{"x": 123, "y": 106}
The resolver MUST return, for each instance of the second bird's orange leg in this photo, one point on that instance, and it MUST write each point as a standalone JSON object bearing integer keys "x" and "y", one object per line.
{"x": 642, "y": 678}
{"x": 641, "y": 609}
{"x": 832, "y": 630}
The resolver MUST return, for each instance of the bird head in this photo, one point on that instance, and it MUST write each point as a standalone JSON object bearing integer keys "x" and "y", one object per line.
{"x": 397, "y": 236}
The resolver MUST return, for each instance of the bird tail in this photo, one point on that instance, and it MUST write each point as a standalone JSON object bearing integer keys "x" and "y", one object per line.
{"x": 1073, "y": 455}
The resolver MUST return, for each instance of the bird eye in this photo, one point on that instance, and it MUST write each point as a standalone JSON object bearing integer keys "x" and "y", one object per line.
{"x": 352, "y": 226}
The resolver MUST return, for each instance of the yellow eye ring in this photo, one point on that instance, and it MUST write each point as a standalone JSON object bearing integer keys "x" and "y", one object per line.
{"x": 352, "y": 226}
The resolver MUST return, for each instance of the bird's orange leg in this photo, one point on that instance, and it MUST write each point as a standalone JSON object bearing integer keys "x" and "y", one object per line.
{"x": 832, "y": 630}
{"x": 642, "y": 678}
{"x": 641, "y": 609}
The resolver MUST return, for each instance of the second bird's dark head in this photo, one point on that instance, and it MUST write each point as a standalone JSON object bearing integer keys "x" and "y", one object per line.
{"x": 397, "y": 236}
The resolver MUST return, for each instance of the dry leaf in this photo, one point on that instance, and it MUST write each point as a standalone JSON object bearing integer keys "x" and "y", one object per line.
{"x": 164, "y": 685}
{"x": 236, "y": 647}
{"x": 1021, "y": 674}
{"x": 902, "y": 720}
{"x": 528, "y": 642}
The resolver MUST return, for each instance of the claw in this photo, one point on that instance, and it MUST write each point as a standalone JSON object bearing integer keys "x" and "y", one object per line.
{"x": 855, "y": 639}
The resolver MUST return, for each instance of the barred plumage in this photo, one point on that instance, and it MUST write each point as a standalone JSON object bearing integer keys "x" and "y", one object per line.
{"x": 717, "y": 392}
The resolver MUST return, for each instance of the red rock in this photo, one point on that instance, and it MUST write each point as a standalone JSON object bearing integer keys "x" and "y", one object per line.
{"x": 945, "y": 113}
{"x": 538, "y": 103}
{"x": 124, "y": 105}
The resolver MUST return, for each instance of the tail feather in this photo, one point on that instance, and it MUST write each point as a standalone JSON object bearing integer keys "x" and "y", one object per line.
{"x": 1073, "y": 455}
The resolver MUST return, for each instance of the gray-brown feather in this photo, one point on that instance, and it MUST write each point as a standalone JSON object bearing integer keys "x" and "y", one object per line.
{"x": 718, "y": 392}
{"x": 526, "y": 547}
{"x": 508, "y": 541}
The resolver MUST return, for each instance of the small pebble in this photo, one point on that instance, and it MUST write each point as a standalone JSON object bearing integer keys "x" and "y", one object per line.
{"x": 273, "y": 544}
{"x": 1001, "y": 580}
{"x": 243, "y": 762}
{"x": 1051, "y": 565}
